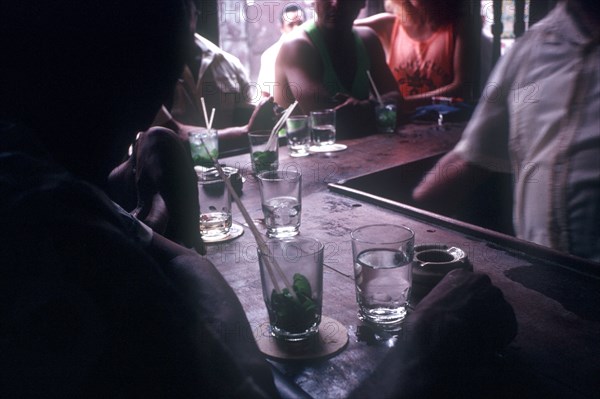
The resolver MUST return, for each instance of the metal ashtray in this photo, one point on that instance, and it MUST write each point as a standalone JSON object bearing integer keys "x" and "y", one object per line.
{"x": 431, "y": 263}
{"x": 235, "y": 177}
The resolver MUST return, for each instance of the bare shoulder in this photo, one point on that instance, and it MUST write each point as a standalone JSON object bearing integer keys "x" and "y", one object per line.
{"x": 368, "y": 36}
{"x": 381, "y": 19}
{"x": 380, "y": 23}
{"x": 297, "y": 45}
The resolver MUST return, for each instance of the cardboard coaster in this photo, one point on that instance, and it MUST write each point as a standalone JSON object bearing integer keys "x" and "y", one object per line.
{"x": 329, "y": 341}
{"x": 235, "y": 231}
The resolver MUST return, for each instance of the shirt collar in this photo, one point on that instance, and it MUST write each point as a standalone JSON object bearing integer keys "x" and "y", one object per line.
{"x": 561, "y": 26}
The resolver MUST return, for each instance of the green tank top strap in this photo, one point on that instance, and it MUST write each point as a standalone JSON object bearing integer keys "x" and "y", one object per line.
{"x": 360, "y": 85}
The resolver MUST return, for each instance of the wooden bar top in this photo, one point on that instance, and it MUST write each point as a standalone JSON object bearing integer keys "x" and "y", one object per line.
{"x": 557, "y": 304}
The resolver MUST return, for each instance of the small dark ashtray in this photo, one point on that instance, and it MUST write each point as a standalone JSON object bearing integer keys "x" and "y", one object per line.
{"x": 431, "y": 263}
{"x": 211, "y": 173}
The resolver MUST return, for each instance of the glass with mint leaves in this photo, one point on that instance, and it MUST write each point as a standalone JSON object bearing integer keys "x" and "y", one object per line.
{"x": 201, "y": 154}
{"x": 264, "y": 151}
{"x": 292, "y": 283}
{"x": 386, "y": 116}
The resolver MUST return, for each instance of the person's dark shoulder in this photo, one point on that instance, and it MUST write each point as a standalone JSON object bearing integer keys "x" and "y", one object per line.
{"x": 84, "y": 308}
{"x": 37, "y": 193}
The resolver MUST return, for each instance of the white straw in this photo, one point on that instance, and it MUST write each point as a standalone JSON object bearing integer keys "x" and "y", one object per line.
{"x": 257, "y": 236}
{"x": 206, "y": 120}
{"x": 375, "y": 88}
{"x": 280, "y": 123}
{"x": 212, "y": 117}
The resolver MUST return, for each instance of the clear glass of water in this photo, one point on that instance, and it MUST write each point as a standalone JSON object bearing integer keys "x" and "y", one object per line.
{"x": 280, "y": 193}
{"x": 298, "y": 135}
{"x": 322, "y": 125}
{"x": 215, "y": 208}
{"x": 294, "y": 302}
{"x": 383, "y": 255}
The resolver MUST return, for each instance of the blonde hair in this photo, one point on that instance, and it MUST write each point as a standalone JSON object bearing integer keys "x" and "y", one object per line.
{"x": 438, "y": 12}
{"x": 391, "y": 6}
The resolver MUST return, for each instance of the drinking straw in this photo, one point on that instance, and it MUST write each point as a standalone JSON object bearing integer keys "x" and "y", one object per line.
{"x": 208, "y": 122}
{"x": 257, "y": 236}
{"x": 204, "y": 111}
{"x": 212, "y": 117}
{"x": 280, "y": 123}
{"x": 374, "y": 88}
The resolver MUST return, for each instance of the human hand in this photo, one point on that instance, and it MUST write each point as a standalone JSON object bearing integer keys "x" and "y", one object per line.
{"x": 354, "y": 118}
{"x": 340, "y": 98}
{"x": 153, "y": 213}
{"x": 463, "y": 320}
{"x": 183, "y": 131}
{"x": 166, "y": 184}
{"x": 264, "y": 115}
{"x": 447, "y": 343}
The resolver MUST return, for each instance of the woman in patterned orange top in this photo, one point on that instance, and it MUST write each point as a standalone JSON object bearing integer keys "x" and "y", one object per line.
{"x": 424, "y": 41}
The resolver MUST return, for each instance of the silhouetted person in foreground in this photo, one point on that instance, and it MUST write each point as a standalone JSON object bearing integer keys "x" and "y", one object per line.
{"x": 95, "y": 304}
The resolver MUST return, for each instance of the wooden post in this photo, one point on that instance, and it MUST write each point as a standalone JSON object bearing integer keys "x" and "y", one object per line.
{"x": 538, "y": 9}
{"x": 472, "y": 14}
{"x": 208, "y": 19}
{"x": 497, "y": 29}
{"x": 519, "y": 26}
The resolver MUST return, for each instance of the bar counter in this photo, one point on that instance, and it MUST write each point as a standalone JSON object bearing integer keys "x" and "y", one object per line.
{"x": 556, "y": 297}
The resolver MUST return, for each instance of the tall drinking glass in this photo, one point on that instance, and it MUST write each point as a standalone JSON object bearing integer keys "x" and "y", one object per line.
{"x": 280, "y": 193}
{"x": 322, "y": 125}
{"x": 264, "y": 152}
{"x": 386, "y": 116}
{"x": 200, "y": 155}
{"x": 298, "y": 135}
{"x": 294, "y": 302}
{"x": 215, "y": 208}
{"x": 383, "y": 255}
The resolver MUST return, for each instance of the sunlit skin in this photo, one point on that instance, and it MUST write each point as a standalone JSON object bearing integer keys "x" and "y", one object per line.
{"x": 420, "y": 20}
{"x": 299, "y": 71}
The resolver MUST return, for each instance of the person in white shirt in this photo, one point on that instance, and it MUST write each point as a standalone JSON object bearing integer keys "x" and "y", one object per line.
{"x": 219, "y": 78}
{"x": 538, "y": 118}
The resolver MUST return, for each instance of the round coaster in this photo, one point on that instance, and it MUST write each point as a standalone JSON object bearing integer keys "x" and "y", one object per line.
{"x": 328, "y": 148}
{"x": 235, "y": 231}
{"x": 329, "y": 341}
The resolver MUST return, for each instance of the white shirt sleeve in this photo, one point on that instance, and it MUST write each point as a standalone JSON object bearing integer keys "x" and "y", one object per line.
{"x": 486, "y": 139}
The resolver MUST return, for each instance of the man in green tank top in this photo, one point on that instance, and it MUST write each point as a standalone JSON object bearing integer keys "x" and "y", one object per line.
{"x": 325, "y": 65}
